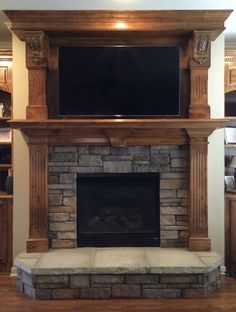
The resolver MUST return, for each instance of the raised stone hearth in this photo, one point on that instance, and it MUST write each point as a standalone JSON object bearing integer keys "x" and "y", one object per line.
{"x": 90, "y": 273}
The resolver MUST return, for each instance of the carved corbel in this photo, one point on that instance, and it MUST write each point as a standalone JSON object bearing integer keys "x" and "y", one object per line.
{"x": 36, "y": 62}
{"x": 199, "y": 65}
{"x": 36, "y": 49}
{"x": 201, "y": 47}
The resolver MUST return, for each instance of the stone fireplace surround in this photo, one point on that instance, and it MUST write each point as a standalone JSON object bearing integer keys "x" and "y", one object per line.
{"x": 66, "y": 161}
{"x": 43, "y": 32}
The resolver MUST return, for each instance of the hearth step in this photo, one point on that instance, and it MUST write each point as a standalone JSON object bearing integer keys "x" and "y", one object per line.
{"x": 89, "y": 273}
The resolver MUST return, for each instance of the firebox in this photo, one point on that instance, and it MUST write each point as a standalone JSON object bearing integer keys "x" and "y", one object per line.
{"x": 118, "y": 209}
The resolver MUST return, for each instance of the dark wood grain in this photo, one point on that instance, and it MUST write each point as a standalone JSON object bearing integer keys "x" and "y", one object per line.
{"x": 230, "y": 232}
{"x": 6, "y": 234}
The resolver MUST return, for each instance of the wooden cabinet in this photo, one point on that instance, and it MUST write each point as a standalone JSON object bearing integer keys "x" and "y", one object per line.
{"x": 6, "y": 168}
{"x": 6, "y": 197}
{"x": 6, "y": 233}
{"x": 230, "y": 232}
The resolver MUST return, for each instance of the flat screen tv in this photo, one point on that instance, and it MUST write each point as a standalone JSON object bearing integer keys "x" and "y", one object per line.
{"x": 119, "y": 81}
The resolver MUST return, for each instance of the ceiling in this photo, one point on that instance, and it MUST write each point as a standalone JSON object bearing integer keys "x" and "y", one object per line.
{"x": 230, "y": 32}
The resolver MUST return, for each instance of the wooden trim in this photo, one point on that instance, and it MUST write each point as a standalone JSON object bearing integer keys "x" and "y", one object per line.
{"x": 116, "y": 132}
{"x": 199, "y": 27}
{"x": 198, "y": 214}
{"x": 199, "y": 244}
{"x": 36, "y": 62}
{"x": 38, "y": 231}
{"x": 6, "y": 232}
{"x": 37, "y": 245}
{"x": 162, "y": 23}
{"x": 147, "y": 123}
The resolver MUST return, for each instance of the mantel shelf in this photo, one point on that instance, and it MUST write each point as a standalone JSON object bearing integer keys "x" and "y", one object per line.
{"x": 148, "y": 123}
{"x": 119, "y": 132}
{"x": 161, "y": 23}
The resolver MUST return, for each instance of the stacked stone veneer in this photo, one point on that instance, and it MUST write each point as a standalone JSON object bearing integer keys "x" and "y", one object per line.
{"x": 66, "y": 161}
{"x": 92, "y": 286}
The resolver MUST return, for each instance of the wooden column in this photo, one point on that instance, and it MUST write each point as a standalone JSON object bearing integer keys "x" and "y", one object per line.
{"x": 36, "y": 62}
{"x": 38, "y": 231}
{"x": 198, "y": 214}
{"x": 199, "y": 65}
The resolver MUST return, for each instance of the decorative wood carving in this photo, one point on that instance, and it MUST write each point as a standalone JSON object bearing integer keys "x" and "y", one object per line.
{"x": 199, "y": 65}
{"x": 201, "y": 47}
{"x": 38, "y": 232}
{"x": 36, "y": 62}
{"x": 198, "y": 218}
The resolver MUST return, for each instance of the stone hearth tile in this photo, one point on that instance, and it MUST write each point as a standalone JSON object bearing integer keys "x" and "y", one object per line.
{"x": 27, "y": 261}
{"x": 211, "y": 259}
{"x": 174, "y": 260}
{"x": 65, "y": 261}
{"x": 119, "y": 261}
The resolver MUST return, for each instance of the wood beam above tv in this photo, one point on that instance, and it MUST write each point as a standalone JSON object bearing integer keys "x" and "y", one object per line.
{"x": 164, "y": 23}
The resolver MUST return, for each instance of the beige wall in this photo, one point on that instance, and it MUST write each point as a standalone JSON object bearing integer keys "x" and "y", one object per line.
{"x": 216, "y": 148}
{"x": 215, "y": 163}
{"x": 20, "y": 152}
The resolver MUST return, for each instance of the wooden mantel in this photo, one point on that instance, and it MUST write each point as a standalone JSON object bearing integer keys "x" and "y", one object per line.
{"x": 44, "y": 31}
{"x": 161, "y": 23}
{"x": 118, "y": 132}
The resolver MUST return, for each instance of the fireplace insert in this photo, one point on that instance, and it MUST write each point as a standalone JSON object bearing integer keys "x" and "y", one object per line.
{"x": 118, "y": 209}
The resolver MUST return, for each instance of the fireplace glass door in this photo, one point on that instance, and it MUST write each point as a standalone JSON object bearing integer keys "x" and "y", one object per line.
{"x": 118, "y": 209}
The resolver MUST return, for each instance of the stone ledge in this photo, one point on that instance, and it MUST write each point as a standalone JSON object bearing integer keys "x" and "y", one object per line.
{"x": 126, "y": 260}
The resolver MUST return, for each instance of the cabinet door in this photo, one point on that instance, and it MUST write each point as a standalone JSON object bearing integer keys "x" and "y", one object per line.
{"x": 5, "y": 74}
{"x": 5, "y": 235}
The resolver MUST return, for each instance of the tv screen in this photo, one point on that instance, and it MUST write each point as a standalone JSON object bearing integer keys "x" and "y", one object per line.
{"x": 119, "y": 81}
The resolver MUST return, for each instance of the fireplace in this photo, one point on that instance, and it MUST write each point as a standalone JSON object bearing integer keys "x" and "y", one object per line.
{"x": 44, "y": 33}
{"x": 118, "y": 209}
{"x": 62, "y": 148}
{"x": 89, "y": 169}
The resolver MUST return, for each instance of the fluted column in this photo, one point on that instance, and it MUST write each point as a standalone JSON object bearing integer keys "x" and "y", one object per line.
{"x": 198, "y": 210}
{"x": 38, "y": 228}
